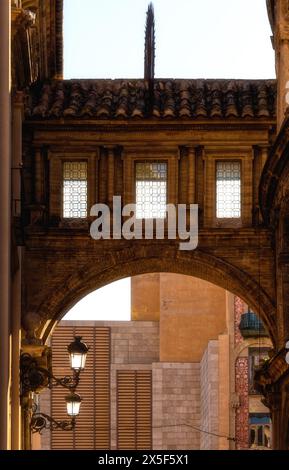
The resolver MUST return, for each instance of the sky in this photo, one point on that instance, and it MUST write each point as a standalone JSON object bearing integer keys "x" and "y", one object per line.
{"x": 194, "y": 39}
{"x": 111, "y": 302}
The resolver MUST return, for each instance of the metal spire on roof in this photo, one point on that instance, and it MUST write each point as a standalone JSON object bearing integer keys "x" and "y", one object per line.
{"x": 149, "y": 62}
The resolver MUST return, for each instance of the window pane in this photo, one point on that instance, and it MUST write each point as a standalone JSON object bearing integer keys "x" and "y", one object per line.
{"x": 151, "y": 171}
{"x": 151, "y": 190}
{"x": 75, "y": 171}
{"x": 228, "y": 179}
{"x": 75, "y": 190}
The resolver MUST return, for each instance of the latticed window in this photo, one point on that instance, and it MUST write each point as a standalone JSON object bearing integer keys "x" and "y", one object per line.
{"x": 75, "y": 189}
{"x": 151, "y": 190}
{"x": 228, "y": 178}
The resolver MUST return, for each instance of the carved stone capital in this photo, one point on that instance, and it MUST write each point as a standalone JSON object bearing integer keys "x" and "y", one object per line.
{"x": 22, "y": 19}
{"x": 31, "y": 323}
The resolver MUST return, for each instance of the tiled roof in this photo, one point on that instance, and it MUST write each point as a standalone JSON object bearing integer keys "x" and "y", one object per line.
{"x": 171, "y": 99}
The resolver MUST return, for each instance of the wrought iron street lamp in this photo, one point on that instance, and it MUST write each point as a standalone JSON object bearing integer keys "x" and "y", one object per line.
{"x": 35, "y": 377}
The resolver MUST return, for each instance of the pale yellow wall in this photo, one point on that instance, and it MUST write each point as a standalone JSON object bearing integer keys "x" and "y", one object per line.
{"x": 192, "y": 312}
{"x": 145, "y": 297}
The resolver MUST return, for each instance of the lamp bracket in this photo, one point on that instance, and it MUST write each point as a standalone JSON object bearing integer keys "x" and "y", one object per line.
{"x": 41, "y": 421}
{"x": 35, "y": 378}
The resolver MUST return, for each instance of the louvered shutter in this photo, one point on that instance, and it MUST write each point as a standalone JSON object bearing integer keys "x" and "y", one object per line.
{"x": 93, "y": 423}
{"x": 144, "y": 410}
{"x": 134, "y": 410}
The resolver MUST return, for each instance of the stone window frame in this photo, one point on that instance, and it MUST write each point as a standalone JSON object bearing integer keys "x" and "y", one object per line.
{"x": 56, "y": 159}
{"x": 131, "y": 156}
{"x": 211, "y": 157}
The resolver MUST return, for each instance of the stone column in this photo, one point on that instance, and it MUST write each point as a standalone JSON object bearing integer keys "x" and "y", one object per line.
{"x": 110, "y": 174}
{"x": 281, "y": 46}
{"x": 39, "y": 177}
{"x": 259, "y": 155}
{"x": 283, "y": 82}
{"x": 5, "y": 200}
{"x": 16, "y": 278}
{"x": 272, "y": 382}
{"x": 274, "y": 403}
{"x": 200, "y": 182}
{"x": 191, "y": 196}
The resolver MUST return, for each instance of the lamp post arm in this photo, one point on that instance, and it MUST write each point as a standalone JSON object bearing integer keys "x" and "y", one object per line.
{"x": 35, "y": 377}
{"x": 41, "y": 421}
{"x": 69, "y": 381}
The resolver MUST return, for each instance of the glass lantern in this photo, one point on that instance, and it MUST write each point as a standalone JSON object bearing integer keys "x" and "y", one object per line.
{"x": 77, "y": 351}
{"x": 73, "y": 402}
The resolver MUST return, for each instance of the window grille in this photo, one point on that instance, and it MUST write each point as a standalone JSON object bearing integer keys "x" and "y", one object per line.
{"x": 228, "y": 178}
{"x": 75, "y": 189}
{"x": 151, "y": 190}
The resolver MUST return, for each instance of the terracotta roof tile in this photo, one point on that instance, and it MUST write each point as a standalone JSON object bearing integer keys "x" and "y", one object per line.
{"x": 172, "y": 99}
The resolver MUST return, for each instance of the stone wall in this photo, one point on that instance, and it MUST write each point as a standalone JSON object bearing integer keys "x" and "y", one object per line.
{"x": 134, "y": 342}
{"x": 176, "y": 406}
{"x": 209, "y": 379}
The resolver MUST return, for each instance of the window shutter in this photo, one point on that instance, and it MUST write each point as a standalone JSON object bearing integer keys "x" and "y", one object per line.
{"x": 93, "y": 423}
{"x": 134, "y": 410}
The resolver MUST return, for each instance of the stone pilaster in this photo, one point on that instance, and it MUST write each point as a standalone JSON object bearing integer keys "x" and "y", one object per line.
{"x": 5, "y": 200}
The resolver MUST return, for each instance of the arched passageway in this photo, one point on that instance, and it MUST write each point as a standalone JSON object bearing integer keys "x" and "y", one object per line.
{"x": 142, "y": 259}
{"x": 184, "y": 338}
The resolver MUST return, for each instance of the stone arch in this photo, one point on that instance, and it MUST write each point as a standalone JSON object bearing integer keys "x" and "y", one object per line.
{"x": 144, "y": 258}
{"x": 247, "y": 344}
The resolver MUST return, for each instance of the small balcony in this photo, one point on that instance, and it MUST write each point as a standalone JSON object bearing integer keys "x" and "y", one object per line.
{"x": 251, "y": 326}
